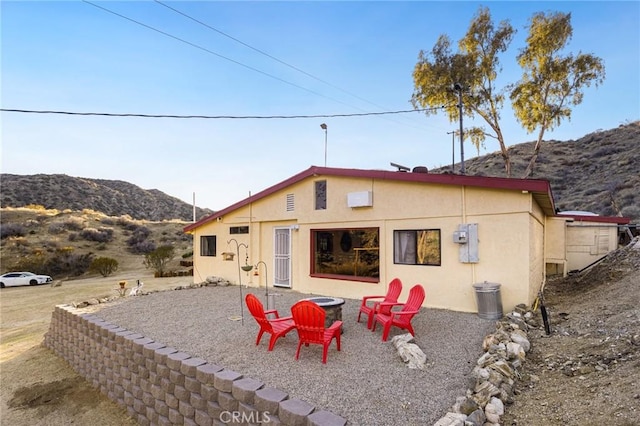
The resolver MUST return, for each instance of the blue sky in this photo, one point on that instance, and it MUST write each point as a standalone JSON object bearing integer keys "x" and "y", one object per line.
{"x": 72, "y": 56}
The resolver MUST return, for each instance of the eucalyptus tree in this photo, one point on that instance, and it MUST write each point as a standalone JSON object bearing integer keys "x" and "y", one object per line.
{"x": 475, "y": 67}
{"x": 551, "y": 82}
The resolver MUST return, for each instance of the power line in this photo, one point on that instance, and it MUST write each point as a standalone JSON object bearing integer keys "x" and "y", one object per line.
{"x": 215, "y": 117}
{"x": 216, "y": 54}
{"x": 267, "y": 54}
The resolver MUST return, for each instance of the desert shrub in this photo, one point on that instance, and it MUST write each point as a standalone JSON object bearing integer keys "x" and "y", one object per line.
{"x": 74, "y": 224}
{"x": 57, "y": 228}
{"x": 73, "y": 236}
{"x": 159, "y": 258}
{"x": 12, "y": 230}
{"x": 108, "y": 221}
{"x": 65, "y": 262}
{"x": 102, "y": 235}
{"x": 105, "y": 266}
{"x": 143, "y": 247}
{"x": 137, "y": 239}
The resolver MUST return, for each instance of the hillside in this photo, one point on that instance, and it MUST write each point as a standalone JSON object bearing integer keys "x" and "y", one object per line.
{"x": 111, "y": 197}
{"x": 599, "y": 172}
{"x": 62, "y": 243}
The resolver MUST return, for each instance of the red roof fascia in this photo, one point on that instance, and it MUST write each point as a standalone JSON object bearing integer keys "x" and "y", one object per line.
{"x": 600, "y": 219}
{"x": 531, "y": 185}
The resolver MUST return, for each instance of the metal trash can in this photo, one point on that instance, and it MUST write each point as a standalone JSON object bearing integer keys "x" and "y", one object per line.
{"x": 489, "y": 300}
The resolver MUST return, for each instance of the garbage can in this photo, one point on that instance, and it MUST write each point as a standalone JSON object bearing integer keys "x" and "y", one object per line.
{"x": 488, "y": 300}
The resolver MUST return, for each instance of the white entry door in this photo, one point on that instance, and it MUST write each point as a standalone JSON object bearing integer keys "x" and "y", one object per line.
{"x": 282, "y": 257}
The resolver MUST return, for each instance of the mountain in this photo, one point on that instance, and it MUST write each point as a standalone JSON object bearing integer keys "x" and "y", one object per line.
{"x": 599, "y": 172}
{"x": 111, "y": 197}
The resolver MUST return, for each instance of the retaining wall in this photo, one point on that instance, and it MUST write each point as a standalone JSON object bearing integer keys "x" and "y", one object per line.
{"x": 160, "y": 385}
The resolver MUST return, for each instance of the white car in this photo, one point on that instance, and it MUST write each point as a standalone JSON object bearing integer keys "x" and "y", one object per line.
{"x": 23, "y": 278}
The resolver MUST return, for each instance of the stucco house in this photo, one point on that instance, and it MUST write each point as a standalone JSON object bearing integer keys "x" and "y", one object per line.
{"x": 348, "y": 232}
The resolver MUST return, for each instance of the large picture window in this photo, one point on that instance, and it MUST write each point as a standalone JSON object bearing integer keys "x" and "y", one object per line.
{"x": 346, "y": 253}
{"x": 208, "y": 245}
{"x": 417, "y": 247}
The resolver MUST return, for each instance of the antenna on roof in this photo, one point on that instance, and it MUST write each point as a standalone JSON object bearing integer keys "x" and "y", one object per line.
{"x": 401, "y": 168}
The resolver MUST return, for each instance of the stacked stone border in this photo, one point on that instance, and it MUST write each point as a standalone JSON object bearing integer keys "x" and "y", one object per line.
{"x": 493, "y": 378}
{"x": 160, "y": 385}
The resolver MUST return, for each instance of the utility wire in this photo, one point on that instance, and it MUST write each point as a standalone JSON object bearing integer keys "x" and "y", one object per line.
{"x": 236, "y": 117}
{"x": 262, "y": 52}
{"x": 267, "y": 54}
{"x": 217, "y": 54}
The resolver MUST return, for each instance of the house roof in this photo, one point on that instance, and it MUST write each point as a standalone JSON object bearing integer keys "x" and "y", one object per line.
{"x": 594, "y": 218}
{"x": 540, "y": 189}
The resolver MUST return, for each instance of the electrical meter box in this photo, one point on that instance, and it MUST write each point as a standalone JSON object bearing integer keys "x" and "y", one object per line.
{"x": 467, "y": 237}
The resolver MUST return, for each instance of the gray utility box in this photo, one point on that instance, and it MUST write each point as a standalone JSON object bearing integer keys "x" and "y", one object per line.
{"x": 489, "y": 300}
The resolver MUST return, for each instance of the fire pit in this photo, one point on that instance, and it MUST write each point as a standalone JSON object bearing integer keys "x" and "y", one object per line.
{"x": 332, "y": 307}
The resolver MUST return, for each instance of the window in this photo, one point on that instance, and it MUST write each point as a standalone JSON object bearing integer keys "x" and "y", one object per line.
{"x": 346, "y": 253}
{"x": 238, "y": 230}
{"x": 321, "y": 194}
{"x": 208, "y": 245}
{"x": 417, "y": 247}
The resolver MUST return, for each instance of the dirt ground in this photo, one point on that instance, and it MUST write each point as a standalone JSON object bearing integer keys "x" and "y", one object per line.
{"x": 585, "y": 372}
{"x": 36, "y": 386}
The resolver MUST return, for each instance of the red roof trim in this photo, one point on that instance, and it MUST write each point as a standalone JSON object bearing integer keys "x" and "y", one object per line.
{"x": 540, "y": 187}
{"x": 601, "y": 219}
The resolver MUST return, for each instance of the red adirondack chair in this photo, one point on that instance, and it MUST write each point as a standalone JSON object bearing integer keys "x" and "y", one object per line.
{"x": 402, "y": 318}
{"x": 276, "y": 326}
{"x": 309, "y": 320}
{"x": 370, "y": 306}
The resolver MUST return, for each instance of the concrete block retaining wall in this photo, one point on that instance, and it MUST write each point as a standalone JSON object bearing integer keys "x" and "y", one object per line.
{"x": 159, "y": 385}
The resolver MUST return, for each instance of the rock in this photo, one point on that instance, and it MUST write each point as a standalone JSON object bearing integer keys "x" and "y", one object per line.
{"x": 451, "y": 419}
{"x": 466, "y": 406}
{"x": 410, "y": 353}
{"x": 515, "y": 351}
{"x": 520, "y": 337}
{"x": 489, "y": 412}
{"x": 477, "y": 418}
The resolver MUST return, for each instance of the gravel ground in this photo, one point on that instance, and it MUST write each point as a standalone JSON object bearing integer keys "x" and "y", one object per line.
{"x": 366, "y": 382}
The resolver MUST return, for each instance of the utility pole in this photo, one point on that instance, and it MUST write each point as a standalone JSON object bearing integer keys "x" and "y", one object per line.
{"x": 324, "y": 127}
{"x": 458, "y": 88}
{"x": 453, "y": 150}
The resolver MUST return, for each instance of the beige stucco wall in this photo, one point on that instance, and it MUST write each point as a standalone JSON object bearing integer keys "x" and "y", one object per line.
{"x": 510, "y": 228}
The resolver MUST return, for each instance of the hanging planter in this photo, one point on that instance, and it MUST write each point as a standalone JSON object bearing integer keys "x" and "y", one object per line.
{"x": 227, "y": 255}
{"x": 247, "y": 268}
